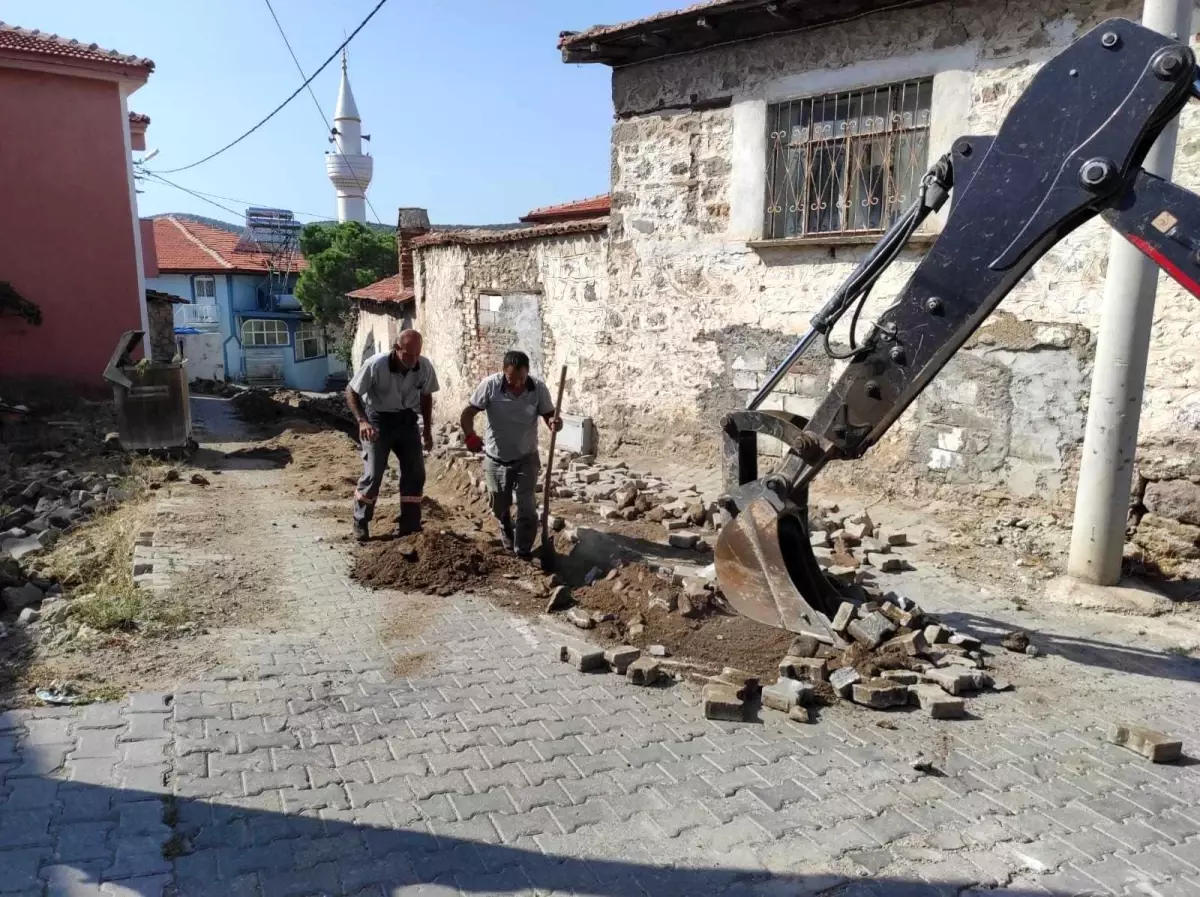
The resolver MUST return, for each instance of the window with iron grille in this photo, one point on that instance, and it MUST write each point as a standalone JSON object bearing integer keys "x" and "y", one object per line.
{"x": 846, "y": 163}
{"x": 310, "y": 341}
{"x": 259, "y": 332}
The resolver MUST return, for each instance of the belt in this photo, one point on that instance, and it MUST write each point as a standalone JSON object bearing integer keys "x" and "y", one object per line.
{"x": 505, "y": 463}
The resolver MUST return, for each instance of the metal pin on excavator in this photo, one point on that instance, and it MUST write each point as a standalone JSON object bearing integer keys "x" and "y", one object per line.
{"x": 1071, "y": 148}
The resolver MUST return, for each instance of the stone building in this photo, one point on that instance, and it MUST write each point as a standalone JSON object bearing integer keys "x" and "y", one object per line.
{"x": 729, "y": 117}
{"x": 539, "y": 286}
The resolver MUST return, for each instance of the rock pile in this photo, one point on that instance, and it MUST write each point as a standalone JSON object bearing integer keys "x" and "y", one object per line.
{"x": 849, "y": 546}
{"x": 46, "y": 502}
{"x": 896, "y": 655}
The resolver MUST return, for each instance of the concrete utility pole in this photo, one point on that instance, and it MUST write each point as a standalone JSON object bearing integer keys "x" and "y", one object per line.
{"x": 1119, "y": 375}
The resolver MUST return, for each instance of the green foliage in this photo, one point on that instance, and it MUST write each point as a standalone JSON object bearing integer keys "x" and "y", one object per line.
{"x": 341, "y": 258}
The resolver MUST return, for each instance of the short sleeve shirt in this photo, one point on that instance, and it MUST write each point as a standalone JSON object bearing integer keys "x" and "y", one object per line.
{"x": 384, "y": 390}
{"x": 512, "y": 418}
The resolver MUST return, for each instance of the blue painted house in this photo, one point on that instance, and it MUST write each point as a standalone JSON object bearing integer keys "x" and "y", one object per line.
{"x": 241, "y": 321}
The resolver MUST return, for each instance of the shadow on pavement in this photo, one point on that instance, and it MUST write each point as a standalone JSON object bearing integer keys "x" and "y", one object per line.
{"x": 215, "y": 849}
{"x": 1087, "y": 651}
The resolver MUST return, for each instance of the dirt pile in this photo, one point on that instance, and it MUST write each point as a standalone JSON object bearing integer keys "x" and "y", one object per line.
{"x": 648, "y": 608}
{"x": 265, "y": 407}
{"x": 437, "y": 562}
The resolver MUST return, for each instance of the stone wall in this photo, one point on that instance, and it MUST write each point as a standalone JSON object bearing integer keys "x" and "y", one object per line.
{"x": 700, "y": 310}
{"x": 563, "y": 278}
{"x": 162, "y": 330}
{"x": 377, "y": 326}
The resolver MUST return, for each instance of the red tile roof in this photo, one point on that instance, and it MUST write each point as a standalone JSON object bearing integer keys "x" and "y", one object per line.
{"x": 592, "y": 207}
{"x": 35, "y": 43}
{"x": 190, "y": 246}
{"x": 390, "y": 289}
{"x": 472, "y": 237}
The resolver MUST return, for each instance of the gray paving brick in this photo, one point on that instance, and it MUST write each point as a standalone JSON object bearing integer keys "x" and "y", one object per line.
{"x": 148, "y": 886}
{"x": 137, "y": 856}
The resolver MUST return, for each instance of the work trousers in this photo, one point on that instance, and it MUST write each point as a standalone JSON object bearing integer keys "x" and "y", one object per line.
{"x": 399, "y": 433}
{"x": 503, "y": 481}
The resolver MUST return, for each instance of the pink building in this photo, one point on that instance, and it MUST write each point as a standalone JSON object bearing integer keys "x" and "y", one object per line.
{"x": 70, "y": 241}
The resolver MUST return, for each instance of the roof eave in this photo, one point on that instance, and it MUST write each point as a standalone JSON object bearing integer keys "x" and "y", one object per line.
{"x": 712, "y": 25}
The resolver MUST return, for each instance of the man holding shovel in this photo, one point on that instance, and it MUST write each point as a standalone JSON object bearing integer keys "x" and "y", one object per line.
{"x": 513, "y": 402}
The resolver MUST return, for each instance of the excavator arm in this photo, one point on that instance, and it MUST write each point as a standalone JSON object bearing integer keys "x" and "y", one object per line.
{"x": 1070, "y": 148}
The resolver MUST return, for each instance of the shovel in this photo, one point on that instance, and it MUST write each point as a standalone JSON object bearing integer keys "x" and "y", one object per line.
{"x": 549, "y": 559}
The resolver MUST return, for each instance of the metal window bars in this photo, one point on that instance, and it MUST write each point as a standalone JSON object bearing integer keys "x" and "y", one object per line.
{"x": 846, "y": 163}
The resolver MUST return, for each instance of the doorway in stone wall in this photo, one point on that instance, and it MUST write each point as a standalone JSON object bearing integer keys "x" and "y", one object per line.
{"x": 510, "y": 321}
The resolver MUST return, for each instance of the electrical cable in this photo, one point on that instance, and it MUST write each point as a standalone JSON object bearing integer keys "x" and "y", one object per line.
{"x": 157, "y": 179}
{"x": 200, "y": 194}
{"x": 858, "y": 288}
{"x": 278, "y": 108}
{"x": 328, "y": 127}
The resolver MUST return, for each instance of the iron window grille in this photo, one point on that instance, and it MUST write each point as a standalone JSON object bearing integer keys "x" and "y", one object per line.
{"x": 846, "y": 163}
{"x": 260, "y": 332}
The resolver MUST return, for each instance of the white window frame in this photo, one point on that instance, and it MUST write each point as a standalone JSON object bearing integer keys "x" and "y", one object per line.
{"x": 306, "y": 332}
{"x": 264, "y": 332}
{"x": 208, "y": 281}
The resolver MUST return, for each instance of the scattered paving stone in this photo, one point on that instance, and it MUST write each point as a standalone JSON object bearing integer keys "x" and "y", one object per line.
{"x": 1016, "y": 642}
{"x": 969, "y": 642}
{"x": 843, "y": 617}
{"x": 935, "y": 634}
{"x": 879, "y": 694}
{"x": 804, "y": 669}
{"x": 903, "y": 677}
{"x": 1001, "y": 685}
{"x": 27, "y": 617}
{"x": 560, "y": 597}
{"x": 683, "y": 540}
{"x": 800, "y": 714}
{"x": 1032, "y": 651}
{"x": 1154, "y": 746}
{"x": 674, "y": 525}
{"x": 897, "y": 539}
{"x": 721, "y": 701}
{"x": 619, "y": 659}
{"x": 199, "y": 480}
{"x": 843, "y": 680}
{"x": 952, "y": 681}
{"x": 892, "y": 565}
{"x": 819, "y": 539}
{"x": 580, "y": 618}
{"x": 745, "y": 684}
{"x": 913, "y": 644}
{"x": 695, "y": 587}
{"x": 939, "y": 704}
{"x": 601, "y": 616}
{"x": 657, "y": 651}
{"x": 593, "y": 576}
{"x": 643, "y": 671}
{"x": 582, "y": 659}
{"x": 870, "y": 631}
{"x": 786, "y": 694}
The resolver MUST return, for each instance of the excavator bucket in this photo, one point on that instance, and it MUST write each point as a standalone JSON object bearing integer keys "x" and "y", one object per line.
{"x": 764, "y": 559}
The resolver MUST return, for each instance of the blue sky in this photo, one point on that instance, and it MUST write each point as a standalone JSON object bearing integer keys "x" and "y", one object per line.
{"x": 471, "y": 112}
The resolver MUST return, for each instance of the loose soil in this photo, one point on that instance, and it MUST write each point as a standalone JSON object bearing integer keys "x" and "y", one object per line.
{"x": 716, "y": 637}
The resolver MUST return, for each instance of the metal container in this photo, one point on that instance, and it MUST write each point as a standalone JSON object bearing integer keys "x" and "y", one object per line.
{"x": 152, "y": 400}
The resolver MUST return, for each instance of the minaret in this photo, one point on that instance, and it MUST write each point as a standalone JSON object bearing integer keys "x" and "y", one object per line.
{"x": 348, "y": 168}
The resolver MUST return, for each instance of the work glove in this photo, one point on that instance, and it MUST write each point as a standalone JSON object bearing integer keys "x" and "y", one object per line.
{"x": 474, "y": 443}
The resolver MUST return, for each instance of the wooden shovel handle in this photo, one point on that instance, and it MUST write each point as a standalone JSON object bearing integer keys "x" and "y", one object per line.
{"x": 562, "y": 382}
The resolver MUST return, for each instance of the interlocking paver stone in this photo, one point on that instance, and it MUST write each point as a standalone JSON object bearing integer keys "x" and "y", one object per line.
{"x": 301, "y": 768}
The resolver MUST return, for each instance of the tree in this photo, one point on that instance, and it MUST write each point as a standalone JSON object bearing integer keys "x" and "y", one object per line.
{"x": 341, "y": 258}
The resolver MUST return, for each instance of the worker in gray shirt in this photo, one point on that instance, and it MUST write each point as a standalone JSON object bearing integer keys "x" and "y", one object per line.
{"x": 513, "y": 402}
{"x": 385, "y": 395}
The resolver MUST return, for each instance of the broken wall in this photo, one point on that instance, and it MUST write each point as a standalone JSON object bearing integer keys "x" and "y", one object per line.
{"x": 546, "y": 296}
{"x": 377, "y": 326}
{"x": 703, "y": 308}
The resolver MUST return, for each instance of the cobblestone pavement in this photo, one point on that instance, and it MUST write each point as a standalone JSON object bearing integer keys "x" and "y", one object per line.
{"x": 305, "y": 766}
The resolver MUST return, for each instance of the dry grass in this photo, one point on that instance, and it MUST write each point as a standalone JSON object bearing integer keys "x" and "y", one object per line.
{"x": 97, "y": 563}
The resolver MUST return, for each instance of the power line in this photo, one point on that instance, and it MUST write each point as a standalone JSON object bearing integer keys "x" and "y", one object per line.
{"x": 321, "y": 112}
{"x": 293, "y": 96}
{"x": 156, "y": 178}
{"x": 200, "y": 194}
